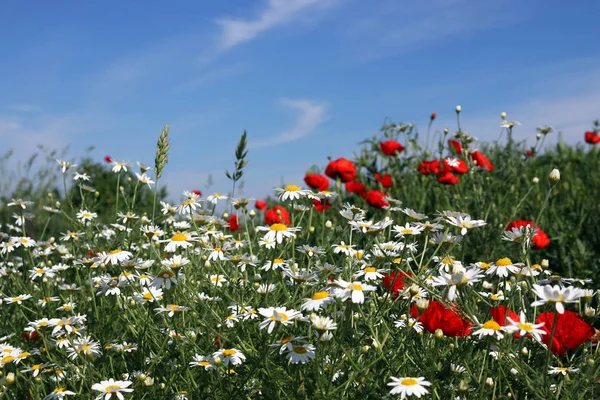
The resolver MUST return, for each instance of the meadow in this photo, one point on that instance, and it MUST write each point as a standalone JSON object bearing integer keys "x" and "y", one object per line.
{"x": 427, "y": 265}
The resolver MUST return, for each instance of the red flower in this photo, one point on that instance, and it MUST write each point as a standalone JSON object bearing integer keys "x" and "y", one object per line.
{"x": 395, "y": 281}
{"x": 271, "y": 216}
{"x": 317, "y": 181}
{"x": 386, "y": 180}
{"x": 501, "y": 314}
{"x": 448, "y": 178}
{"x": 197, "y": 192}
{"x": 530, "y": 153}
{"x": 438, "y": 316}
{"x": 482, "y": 161}
{"x": 540, "y": 239}
{"x": 592, "y": 138}
{"x": 321, "y": 205}
{"x": 32, "y": 336}
{"x": 108, "y": 159}
{"x": 456, "y": 165}
{"x": 233, "y": 223}
{"x": 455, "y": 144}
{"x": 390, "y": 147}
{"x": 429, "y": 167}
{"x": 433, "y": 115}
{"x": 376, "y": 198}
{"x": 570, "y": 332}
{"x": 356, "y": 187}
{"x": 341, "y": 168}
{"x": 260, "y": 205}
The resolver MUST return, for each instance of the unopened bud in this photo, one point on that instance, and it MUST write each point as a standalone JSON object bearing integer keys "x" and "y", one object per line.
{"x": 162, "y": 386}
{"x": 311, "y": 229}
{"x": 141, "y": 377}
{"x": 503, "y": 115}
{"x": 328, "y": 224}
{"x": 545, "y": 263}
{"x": 590, "y": 312}
{"x": 489, "y": 382}
{"x": 149, "y": 381}
{"x": 438, "y": 334}
{"x": 365, "y": 348}
{"x": 10, "y": 378}
{"x": 225, "y": 215}
{"x": 536, "y": 180}
{"x": 252, "y": 213}
{"x": 414, "y": 289}
{"x": 514, "y": 371}
{"x": 57, "y": 204}
{"x": 554, "y": 175}
{"x": 446, "y": 131}
{"x": 207, "y": 264}
{"x": 463, "y": 386}
{"x": 422, "y": 305}
{"x": 458, "y": 109}
{"x": 538, "y": 136}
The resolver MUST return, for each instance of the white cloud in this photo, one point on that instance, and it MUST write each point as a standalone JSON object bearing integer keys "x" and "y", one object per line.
{"x": 277, "y": 12}
{"x": 22, "y": 108}
{"x": 309, "y": 116}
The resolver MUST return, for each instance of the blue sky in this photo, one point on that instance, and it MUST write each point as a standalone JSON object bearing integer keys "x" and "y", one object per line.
{"x": 306, "y": 78}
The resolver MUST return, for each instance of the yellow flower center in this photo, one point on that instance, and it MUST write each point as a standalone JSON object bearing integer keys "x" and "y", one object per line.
{"x": 278, "y": 261}
{"x": 147, "y": 296}
{"x": 406, "y": 231}
{"x": 287, "y": 339}
{"x": 278, "y": 227}
{"x": 7, "y": 359}
{"x": 408, "y": 382}
{"x": 228, "y": 352}
{"x": 280, "y": 317}
{"x": 112, "y": 388}
{"x": 292, "y": 188}
{"x": 525, "y": 327}
{"x": 503, "y": 262}
{"x": 354, "y": 286}
{"x": 370, "y": 269}
{"x": 179, "y": 237}
{"x": 320, "y": 295}
{"x": 204, "y": 363}
{"x": 300, "y": 350}
{"x": 491, "y": 324}
{"x": 561, "y": 368}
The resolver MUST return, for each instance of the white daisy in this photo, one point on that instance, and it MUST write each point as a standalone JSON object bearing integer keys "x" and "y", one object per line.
{"x": 409, "y": 386}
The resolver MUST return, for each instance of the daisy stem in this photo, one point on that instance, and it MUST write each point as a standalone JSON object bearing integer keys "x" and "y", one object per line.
{"x": 117, "y": 194}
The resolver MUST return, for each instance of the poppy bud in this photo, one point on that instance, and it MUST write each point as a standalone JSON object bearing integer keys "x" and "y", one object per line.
{"x": 433, "y": 115}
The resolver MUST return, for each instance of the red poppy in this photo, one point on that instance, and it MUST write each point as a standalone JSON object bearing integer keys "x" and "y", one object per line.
{"x": 386, "y": 180}
{"x": 197, "y": 192}
{"x": 341, "y": 168}
{"x": 433, "y": 115}
{"x": 592, "y": 138}
{"x": 356, "y": 187}
{"x": 501, "y": 314}
{"x": 376, "y": 198}
{"x": 530, "y": 153}
{"x": 481, "y": 160}
{"x": 321, "y": 205}
{"x": 570, "y": 331}
{"x": 429, "y": 167}
{"x": 448, "y": 178}
{"x": 108, "y": 159}
{"x": 233, "y": 223}
{"x": 32, "y": 336}
{"x": 455, "y": 144}
{"x": 395, "y": 281}
{"x": 260, "y": 205}
{"x": 390, "y": 147}
{"x": 540, "y": 239}
{"x": 272, "y": 217}
{"x": 456, "y": 165}
{"x": 317, "y": 181}
{"x": 438, "y": 316}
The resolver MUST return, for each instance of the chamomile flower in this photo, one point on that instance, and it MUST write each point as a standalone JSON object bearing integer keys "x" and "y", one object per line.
{"x": 465, "y": 223}
{"x": 503, "y": 267}
{"x": 343, "y": 248}
{"x": 114, "y": 257}
{"x": 17, "y": 299}
{"x": 322, "y": 324}
{"x": 319, "y": 300}
{"x": 523, "y": 327}
{"x": 453, "y": 281}
{"x": 412, "y": 214}
{"x": 352, "y": 290}
{"x": 171, "y": 309}
{"x": 65, "y": 165}
{"x": 291, "y": 192}
{"x": 277, "y": 315}
{"x": 59, "y": 393}
{"x": 144, "y": 179}
{"x": 179, "y": 239}
{"x": 110, "y": 387}
{"x": 406, "y": 387}
{"x": 215, "y": 197}
{"x": 148, "y": 295}
{"x": 84, "y": 346}
{"x": 562, "y": 370}
{"x": 277, "y": 232}
{"x": 407, "y": 230}
{"x": 205, "y": 362}
{"x": 370, "y": 273}
{"x": 557, "y": 295}
{"x": 489, "y": 328}
{"x": 229, "y": 356}
{"x": 86, "y": 216}
{"x": 301, "y": 354}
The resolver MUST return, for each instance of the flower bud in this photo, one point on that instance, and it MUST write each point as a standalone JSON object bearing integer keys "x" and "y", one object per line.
{"x": 149, "y": 381}
{"x": 10, "y": 378}
{"x": 458, "y": 109}
{"x": 207, "y": 264}
{"x": 538, "y": 136}
{"x": 422, "y": 305}
{"x": 414, "y": 289}
{"x": 328, "y": 224}
{"x": 162, "y": 386}
{"x": 141, "y": 377}
{"x": 438, "y": 334}
{"x": 503, "y": 115}
{"x": 554, "y": 175}
{"x": 545, "y": 263}
{"x": 514, "y": 371}
{"x": 536, "y": 179}
{"x": 356, "y": 316}
{"x": 489, "y": 382}
{"x": 57, "y": 204}
{"x": 590, "y": 312}
{"x": 311, "y": 229}
{"x": 446, "y": 131}
{"x": 252, "y": 213}
{"x": 463, "y": 386}
{"x": 365, "y": 348}
{"x": 225, "y": 215}
{"x": 433, "y": 115}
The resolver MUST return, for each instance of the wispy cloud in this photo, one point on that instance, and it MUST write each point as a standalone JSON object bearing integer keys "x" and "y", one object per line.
{"x": 310, "y": 115}
{"x": 22, "y": 108}
{"x": 395, "y": 27}
{"x": 276, "y": 13}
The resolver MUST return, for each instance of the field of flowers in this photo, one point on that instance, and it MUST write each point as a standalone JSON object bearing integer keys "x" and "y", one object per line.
{"x": 421, "y": 268}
